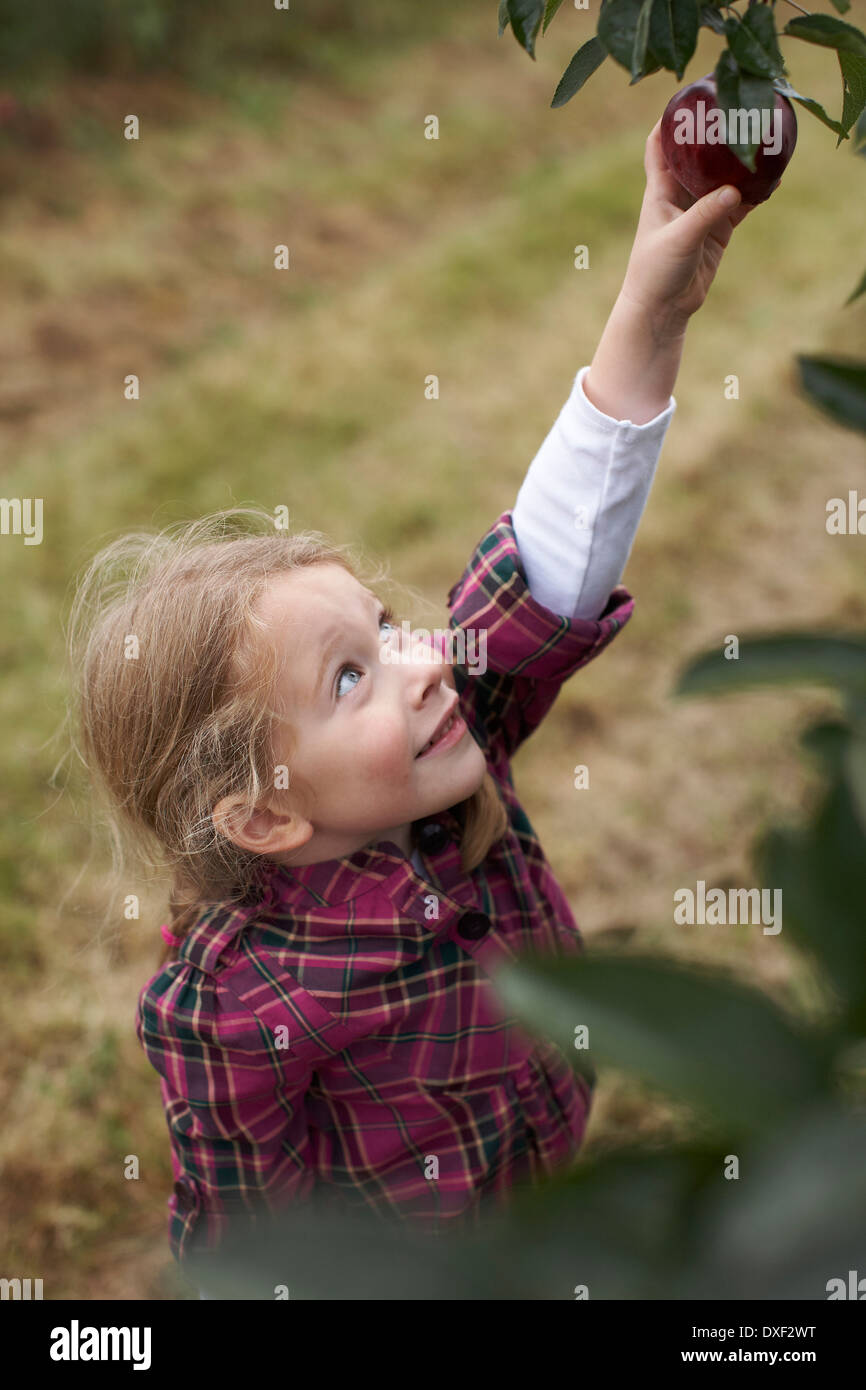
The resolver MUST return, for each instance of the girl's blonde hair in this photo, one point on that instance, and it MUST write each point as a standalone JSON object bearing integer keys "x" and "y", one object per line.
{"x": 172, "y": 699}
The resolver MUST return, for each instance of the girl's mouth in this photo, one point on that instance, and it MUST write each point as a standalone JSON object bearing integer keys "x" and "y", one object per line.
{"x": 451, "y": 734}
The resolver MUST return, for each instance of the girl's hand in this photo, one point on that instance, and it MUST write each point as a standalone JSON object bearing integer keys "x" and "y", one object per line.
{"x": 678, "y": 245}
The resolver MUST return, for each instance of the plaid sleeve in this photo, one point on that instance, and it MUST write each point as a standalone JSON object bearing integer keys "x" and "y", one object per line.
{"x": 517, "y": 652}
{"x": 233, "y": 1083}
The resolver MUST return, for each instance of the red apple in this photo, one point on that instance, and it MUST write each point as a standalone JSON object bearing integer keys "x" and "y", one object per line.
{"x": 701, "y": 165}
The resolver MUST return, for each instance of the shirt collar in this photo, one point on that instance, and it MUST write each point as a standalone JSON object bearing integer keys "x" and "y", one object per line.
{"x": 335, "y": 881}
{"x": 332, "y": 882}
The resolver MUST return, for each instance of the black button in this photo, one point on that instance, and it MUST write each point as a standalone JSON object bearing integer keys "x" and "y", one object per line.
{"x": 432, "y": 837}
{"x": 185, "y": 1196}
{"x": 473, "y": 925}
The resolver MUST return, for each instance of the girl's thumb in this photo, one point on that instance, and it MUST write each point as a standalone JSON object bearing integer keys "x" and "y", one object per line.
{"x": 707, "y": 210}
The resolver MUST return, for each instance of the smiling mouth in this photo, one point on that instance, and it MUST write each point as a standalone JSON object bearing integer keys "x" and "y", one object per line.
{"x": 447, "y": 727}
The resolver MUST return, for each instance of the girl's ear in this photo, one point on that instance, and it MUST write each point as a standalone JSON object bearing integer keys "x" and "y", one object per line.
{"x": 258, "y": 828}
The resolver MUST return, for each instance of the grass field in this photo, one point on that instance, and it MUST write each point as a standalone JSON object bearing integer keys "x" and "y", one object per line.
{"x": 306, "y": 387}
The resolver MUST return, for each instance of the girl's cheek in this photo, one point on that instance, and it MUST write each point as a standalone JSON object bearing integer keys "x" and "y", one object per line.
{"x": 387, "y": 748}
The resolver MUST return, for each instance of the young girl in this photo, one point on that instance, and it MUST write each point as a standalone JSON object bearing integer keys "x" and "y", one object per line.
{"x": 350, "y": 856}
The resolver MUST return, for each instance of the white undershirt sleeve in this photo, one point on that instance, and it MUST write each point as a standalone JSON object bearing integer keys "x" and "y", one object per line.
{"x": 581, "y": 502}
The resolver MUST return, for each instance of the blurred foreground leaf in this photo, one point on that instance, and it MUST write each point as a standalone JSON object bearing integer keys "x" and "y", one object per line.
{"x": 614, "y": 1227}
{"x": 794, "y": 1219}
{"x": 780, "y": 658}
{"x": 636, "y": 1225}
{"x": 700, "y": 1037}
{"x": 837, "y": 385}
{"x": 821, "y": 870}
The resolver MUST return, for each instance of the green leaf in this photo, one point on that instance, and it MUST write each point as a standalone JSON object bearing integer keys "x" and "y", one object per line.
{"x": 861, "y": 289}
{"x": 641, "y": 37}
{"x": 727, "y": 76}
{"x": 634, "y": 1224}
{"x": 552, "y": 7}
{"x": 320, "y": 1252}
{"x": 504, "y": 21}
{"x": 795, "y": 1219}
{"x": 692, "y": 1034}
{"x": 850, "y": 45}
{"x": 582, "y": 66}
{"x": 627, "y": 1216}
{"x": 821, "y": 872}
{"x": 783, "y": 86}
{"x": 711, "y": 18}
{"x": 674, "y": 33}
{"x": 851, "y": 52}
{"x": 855, "y": 772}
{"x": 828, "y": 741}
{"x": 739, "y": 91}
{"x": 838, "y": 386}
{"x": 753, "y": 42}
{"x": 617, "y": 26}
{"x": 526, "y": 17}
{"x": 756, "y": 94}
{"x": 853, "y": 68}
{"x": 823, "y": 29}
{"x": 843, "y": 6}
{"x": 781, "y": 658}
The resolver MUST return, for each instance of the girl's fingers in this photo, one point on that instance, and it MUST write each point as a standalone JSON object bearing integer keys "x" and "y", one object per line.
{"x": 668, "y": 187}
{"x": 654, "y": 160}
{"x": 661, "y": 183}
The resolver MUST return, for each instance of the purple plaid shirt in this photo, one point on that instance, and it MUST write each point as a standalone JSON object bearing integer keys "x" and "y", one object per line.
{"x": 343, "y": 1031}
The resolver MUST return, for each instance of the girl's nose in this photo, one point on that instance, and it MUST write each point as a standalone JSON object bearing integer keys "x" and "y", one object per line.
{"x": 426, "y": 667}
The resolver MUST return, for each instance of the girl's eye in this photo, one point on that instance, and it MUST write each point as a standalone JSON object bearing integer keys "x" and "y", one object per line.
{"x": 386, "y": 617}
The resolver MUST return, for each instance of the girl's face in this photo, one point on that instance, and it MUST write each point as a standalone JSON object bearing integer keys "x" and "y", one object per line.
{"x": 360, "y": 719}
